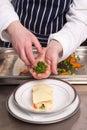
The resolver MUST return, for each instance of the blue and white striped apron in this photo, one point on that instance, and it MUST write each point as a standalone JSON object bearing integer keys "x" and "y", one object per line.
{"x": 42, "y": 17}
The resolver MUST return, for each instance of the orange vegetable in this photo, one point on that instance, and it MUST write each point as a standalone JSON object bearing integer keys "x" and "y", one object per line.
{"x": 73, "y": 62}
{"x": 73, "y": 59}
{"x": 69, "y": 64}
{"x": 34, "y": 106}
{"x": 76, "y": 65}
{"x": 64, "y": 73}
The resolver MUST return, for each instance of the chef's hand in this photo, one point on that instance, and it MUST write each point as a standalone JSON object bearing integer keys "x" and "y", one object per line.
{"x": 22, "y": 41}
{"x": 50, "y": 56}
{"x": 40, "y": 57}
{"x": 53, "y": 52}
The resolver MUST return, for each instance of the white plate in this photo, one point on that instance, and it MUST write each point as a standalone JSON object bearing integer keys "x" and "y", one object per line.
{"x": 63, "y": 95}
{"x": 35, "y": 118}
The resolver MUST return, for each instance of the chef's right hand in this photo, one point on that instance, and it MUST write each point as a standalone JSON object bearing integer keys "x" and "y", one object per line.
{"x": 22, "y": 42}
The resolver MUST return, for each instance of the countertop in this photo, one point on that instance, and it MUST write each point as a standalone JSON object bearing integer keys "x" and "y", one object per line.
{"x": 76, "y": 122}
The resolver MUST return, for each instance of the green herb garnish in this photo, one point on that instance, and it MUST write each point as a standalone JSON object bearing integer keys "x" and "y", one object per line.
{"x": 40, "y": 68}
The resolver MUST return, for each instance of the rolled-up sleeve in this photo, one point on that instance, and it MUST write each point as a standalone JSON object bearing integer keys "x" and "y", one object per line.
{"x": 74, "y": 32}
{"x": 7, "y": 16}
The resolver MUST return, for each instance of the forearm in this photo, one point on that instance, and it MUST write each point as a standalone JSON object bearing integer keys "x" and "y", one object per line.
{"x": 74, "y": 31}
{"x": 7, "y": 16}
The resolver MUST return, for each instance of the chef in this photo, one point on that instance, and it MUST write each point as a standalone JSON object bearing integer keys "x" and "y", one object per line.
{"x": 58, "y": 25}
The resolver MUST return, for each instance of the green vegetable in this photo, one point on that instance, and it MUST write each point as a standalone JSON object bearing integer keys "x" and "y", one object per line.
{"x": 61, "y": 70}
{"x": 40, "y": 68}
{"x": 42, "y": 107}
{"x": 78, "y": 58}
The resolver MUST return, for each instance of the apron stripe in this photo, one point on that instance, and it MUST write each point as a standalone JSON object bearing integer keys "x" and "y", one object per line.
{"x": 42, "y": 17}
{"x": 48, "y": 20}
{"x": 37, "y": 15}
{"x": 26, "y": 16}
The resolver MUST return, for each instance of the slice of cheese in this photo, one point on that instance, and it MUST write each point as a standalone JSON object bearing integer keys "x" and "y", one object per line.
{"x": 42, "y": 93}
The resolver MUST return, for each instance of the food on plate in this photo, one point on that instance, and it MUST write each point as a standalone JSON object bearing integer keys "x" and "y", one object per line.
{"x": 42, "y": 95}
{"x": 40, "y": 67}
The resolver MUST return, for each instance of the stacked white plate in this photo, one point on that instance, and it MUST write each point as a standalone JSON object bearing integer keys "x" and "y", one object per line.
{"x": 66, "y": 102}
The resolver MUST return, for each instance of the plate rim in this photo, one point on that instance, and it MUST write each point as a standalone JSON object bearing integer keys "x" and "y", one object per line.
{"x": 39, "y": 122}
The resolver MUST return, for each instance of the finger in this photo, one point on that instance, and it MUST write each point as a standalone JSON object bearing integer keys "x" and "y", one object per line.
{"x": 37, "y": 44}
{"x": 54, "y": 66}
{"x": 22, "y": 55}
{"x": 29, "y": 54}
{"x": 48, "y": 61}
{"x": 41, "y": 75}
{"x": 34, "y": 74}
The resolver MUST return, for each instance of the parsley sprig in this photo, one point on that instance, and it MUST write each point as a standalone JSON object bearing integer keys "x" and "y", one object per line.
{"x": 40, "y": 67}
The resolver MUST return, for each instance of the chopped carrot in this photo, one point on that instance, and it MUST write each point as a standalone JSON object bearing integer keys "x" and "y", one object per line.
{"x": 73, "y": 59}
{"x": 69, "y": 63}
{"x": 64, "y": 73}
{"x": 34, "y": 106}
{"x": 76, "y": 64}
